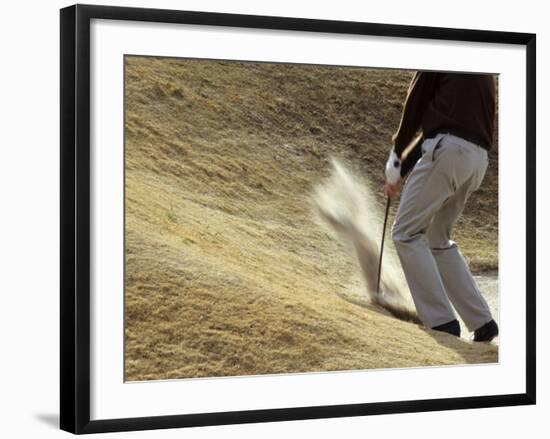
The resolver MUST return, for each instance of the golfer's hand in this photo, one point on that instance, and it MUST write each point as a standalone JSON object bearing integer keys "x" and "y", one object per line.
{"x": 392, "y": 190}
{"x": 393, "y": 169}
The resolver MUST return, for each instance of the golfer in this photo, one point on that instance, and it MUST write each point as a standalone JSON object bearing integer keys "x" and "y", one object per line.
{"x": 445, "y": 133}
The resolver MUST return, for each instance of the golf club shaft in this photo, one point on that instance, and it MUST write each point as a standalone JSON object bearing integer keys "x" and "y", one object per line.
{"x": 382, "y": 245}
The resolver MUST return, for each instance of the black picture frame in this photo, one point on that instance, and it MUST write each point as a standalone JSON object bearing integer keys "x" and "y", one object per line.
{"x": 75, "y": 217}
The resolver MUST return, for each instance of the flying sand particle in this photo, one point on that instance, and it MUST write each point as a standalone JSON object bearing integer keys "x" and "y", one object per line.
{"x": 348, "y": 208}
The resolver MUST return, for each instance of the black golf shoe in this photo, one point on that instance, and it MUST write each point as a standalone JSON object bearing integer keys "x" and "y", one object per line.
{"x": 487, "y": 332}
{"x": 452, "y": 327}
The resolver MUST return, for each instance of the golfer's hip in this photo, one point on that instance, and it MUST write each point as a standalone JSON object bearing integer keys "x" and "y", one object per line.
{"x": 462, "y": 160}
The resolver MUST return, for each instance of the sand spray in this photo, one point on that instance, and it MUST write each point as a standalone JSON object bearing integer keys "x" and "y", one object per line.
{"x": 348, "y": 208}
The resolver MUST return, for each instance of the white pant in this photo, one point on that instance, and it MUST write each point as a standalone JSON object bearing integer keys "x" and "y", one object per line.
{"x": 433, "y": 198}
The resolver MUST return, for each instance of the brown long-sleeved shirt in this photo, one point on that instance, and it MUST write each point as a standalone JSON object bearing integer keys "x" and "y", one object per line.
{"x": 462, "y": 104}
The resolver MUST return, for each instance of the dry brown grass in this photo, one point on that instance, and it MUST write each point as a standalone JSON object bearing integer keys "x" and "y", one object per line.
{"x": 227, "y": 272}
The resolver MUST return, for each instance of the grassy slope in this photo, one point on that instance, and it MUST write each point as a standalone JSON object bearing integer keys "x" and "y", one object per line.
{"x": 226, "y": 271}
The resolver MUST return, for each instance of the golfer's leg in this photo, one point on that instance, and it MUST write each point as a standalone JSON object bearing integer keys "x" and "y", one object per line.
{"x": 425, "y": 191}
{"x": 457, "y": 279}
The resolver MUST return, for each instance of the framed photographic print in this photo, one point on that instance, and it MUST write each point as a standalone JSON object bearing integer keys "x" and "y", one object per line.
{"x": 268, "y": 218}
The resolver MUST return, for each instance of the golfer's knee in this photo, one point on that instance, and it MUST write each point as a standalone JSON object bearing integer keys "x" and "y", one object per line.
{"x": 438, "y": 238}
{"x": 399, "y": 235}
{"x": 443, "y": 245}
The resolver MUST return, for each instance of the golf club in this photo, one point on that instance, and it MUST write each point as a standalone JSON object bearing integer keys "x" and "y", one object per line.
{"x": 382, "y": 245}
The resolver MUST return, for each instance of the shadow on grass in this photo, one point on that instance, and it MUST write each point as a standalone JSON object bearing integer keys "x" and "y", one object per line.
{"x": 470, "y": 351}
